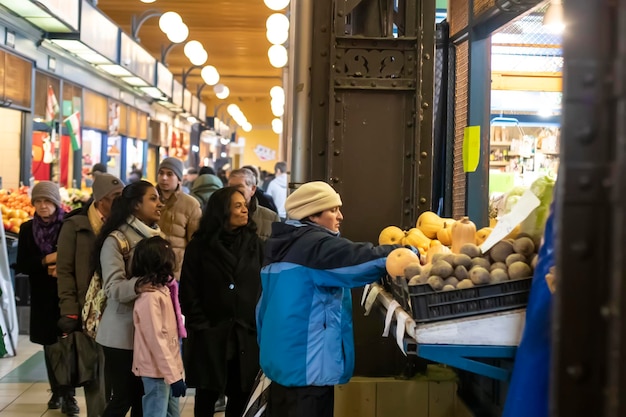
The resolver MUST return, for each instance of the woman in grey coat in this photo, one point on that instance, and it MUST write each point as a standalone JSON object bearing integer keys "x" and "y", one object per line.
{"x": 135, "y": 213}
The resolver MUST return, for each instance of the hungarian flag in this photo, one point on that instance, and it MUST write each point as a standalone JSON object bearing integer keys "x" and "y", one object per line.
{"x": 52, "y": 105}
{"x": 73, "y": 126}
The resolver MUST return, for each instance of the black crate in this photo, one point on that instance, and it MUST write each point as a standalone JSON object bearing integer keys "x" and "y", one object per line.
{"x": 429, "y": 305}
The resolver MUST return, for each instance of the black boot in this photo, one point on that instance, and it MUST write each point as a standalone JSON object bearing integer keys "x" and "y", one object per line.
{"x": 70, "y": 407}
{"x": 55, "y": 401}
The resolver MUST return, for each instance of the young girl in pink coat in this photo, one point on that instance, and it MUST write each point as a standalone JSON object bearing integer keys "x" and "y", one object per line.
{"x": 158, "y": 327}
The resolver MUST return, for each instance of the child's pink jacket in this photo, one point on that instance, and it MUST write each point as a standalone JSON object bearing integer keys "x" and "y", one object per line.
{"x": 156, "y": 351}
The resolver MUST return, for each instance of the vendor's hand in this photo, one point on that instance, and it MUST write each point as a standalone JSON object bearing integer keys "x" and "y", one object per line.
{"x": 69, "y": 323}
{"x": 178, "y": 388}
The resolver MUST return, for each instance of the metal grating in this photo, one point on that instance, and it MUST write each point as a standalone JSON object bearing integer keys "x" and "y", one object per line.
{"x": 458, "y": 15}
{"x": 526, "y": 45}
{"x": 481, "y": 6}
{"x": 460, "y": 123}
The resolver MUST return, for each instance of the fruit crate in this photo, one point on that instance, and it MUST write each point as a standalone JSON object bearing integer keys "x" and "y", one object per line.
{"x": 429, "y": 305}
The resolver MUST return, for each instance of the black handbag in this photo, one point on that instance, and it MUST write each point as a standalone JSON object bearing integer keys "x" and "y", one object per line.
{"x": 74, "y": 359}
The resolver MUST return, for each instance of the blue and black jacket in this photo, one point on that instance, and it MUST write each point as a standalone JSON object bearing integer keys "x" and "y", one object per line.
{"x": 304, "y": 316}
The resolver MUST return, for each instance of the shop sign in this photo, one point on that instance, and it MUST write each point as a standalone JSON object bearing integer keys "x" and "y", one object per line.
{"x": 187, "y": 101}
{"x": 164, "y": 79}
{"x": 177, "y": 93}
{"x": 98, "y": 32}
{"x": 114, "y": 118}
{"x": 202, "y": 111}
{"x": 136, "y": 59}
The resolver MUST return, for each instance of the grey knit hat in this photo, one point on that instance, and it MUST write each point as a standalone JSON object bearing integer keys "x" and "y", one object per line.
{"x": 105, "y": 184}
{"x": 173, "y": 164}
{"x": 47, "y": 190}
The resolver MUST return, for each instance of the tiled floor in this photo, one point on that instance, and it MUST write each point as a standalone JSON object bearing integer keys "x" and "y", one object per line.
{"x": 24, "y": 388}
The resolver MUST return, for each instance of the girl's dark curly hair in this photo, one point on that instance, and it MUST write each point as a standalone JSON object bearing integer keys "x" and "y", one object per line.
{"x": 216, "y": 214}
{"x": 153, "y": 261}
{"x": 122, "y": 208}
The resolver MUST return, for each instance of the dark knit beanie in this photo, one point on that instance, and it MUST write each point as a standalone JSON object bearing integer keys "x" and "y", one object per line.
{"x": 173, "y": 164}
{"x": 47, "y": 190}
{"x": 105, "y": 184}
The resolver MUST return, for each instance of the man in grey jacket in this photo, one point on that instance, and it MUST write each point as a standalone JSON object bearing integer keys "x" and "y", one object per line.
{"x": 75, "y": 243}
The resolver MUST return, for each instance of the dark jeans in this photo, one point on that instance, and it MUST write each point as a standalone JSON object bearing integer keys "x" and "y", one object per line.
{"x": 127, "y": 389}
{"x": 59, "y": 390}
{"x": 237, "y": 399}
{"x": 301, "y": 401}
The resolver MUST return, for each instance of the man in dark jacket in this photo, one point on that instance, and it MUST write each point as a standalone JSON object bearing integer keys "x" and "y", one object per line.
{"x": 263, "y": 198}
{"x": 75, "y": 243}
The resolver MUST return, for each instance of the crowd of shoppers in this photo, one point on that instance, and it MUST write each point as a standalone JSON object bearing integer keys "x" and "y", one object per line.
{"x": 239, "y": 307}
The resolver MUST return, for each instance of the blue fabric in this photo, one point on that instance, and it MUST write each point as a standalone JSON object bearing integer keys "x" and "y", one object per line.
{"x": 304, "y": 316}
{"x": 157, "y": 400}
{"x": 530, "y": 383}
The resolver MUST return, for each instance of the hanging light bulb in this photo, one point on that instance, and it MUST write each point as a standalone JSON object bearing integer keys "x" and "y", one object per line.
{"x": 277, "y": 22}
{"x": 277, "y": 126}
{"x": 278, "y": 111}
{"x": 221, "y": 93}
{"x": 233, "y": 109}
{"x": 210, "y": 75}
{"x": 277, "y": 91}
{"x": 148, "y": 1}
{"x": 178, "y": 34}
{"x": 278, "y": 56}
{"x": 199, "y": 57}
{"x": 277, "y": 37}
{"x": 246, "y": 127}
{"x": 192, "y": 47}
{"x": 169, "y": 20}
{"x": 276, "y": 4}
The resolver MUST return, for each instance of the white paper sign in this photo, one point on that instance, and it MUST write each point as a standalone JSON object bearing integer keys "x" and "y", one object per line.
{"x": 522, "y": 209}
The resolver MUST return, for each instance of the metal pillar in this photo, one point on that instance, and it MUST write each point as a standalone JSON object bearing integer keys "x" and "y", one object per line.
{"x": 299, "y": 90}
{"x": 588, "y": 372}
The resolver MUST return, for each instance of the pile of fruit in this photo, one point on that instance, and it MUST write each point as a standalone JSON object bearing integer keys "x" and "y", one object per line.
{"x": 16, "y": 208}
{"x": 450, "y": 255}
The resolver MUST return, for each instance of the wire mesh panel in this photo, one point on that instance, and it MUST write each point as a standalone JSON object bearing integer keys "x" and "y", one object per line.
{"x": 526, "y": 45}
{"x": 481, "y": 6}
{"x": 458, "y": 15}
{"x": 460, "y": 122}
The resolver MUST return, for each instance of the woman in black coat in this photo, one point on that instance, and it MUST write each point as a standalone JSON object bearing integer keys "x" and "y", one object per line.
{"x": 36, "y": 257}
{"x": 219, "y": 289}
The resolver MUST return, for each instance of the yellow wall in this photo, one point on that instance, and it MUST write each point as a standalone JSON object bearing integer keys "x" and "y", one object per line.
{"x": 259, "y": 114}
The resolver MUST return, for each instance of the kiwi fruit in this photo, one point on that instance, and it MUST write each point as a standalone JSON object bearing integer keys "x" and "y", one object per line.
{"x": 435, "y": 282}
{"x": 442, "y": 269}
{"x": 533, "y": 261}
{"x": 437, "y": 257}
{"x": 449, "y": 258}
{"x": 482, "y": 262}
{"x": 515, "y": 257}
{"x": 501, "y": 250}
{"x": 426, "y": 271}
{"x": 460, "y": 272}
{"x": 463, "y": 260}
{"x": 479, "y": 275}
{"x": 499, "y": 275}
{"x": 498, "y": 265}
{"x": 449, "y": 288}
{"x": 518, "y": 270}
{"x": 451, "y": 281}
{"x": 524, "y": 246}
{"x": 470, "y": 250}
{"x": 466, "y": 283}
{"x": 415, "y": 280}
{"x": 412, "y": 269}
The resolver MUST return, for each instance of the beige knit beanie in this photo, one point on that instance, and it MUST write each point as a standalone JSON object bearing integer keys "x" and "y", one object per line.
{"x": 310, "y": 198}
{"x": 47, "y": 190}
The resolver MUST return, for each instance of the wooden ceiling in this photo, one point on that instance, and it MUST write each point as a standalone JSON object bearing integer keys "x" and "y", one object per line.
{"x": 233, "y": 34}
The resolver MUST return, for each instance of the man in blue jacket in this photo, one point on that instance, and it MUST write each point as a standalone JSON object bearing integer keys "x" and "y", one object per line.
{"x": 304, "y": 316}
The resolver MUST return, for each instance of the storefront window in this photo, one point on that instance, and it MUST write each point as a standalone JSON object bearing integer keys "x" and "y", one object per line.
{"x": 114, "y": 156}
{"x": 134, "y": 157}
{"x": 11, "y": 131}
{"x": 92, "y": 154}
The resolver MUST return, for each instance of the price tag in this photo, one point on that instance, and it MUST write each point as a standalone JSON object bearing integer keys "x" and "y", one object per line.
{"x": 522, "y": 209}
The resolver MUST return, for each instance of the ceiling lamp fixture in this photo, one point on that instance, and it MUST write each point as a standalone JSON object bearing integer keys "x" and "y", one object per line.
{"x": 221, "y": 91}
{"x": 278, "y": 56}
{"x": 247, "y": 127}
{"x": 278, "y": 100}
{"x": 148, "y": 1}
{"x": 553, "y": 19}
{"x": 277, "y": 126}
{"x": 196, "y": 53}
{"x": 277, "y": 37}
{"x": 238, "y": 116}
{"x": 275, "y": 4}
{"x": 277, "y": 22}
{"x": 172, "y": 25}
{"x": 210, "y": 75}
